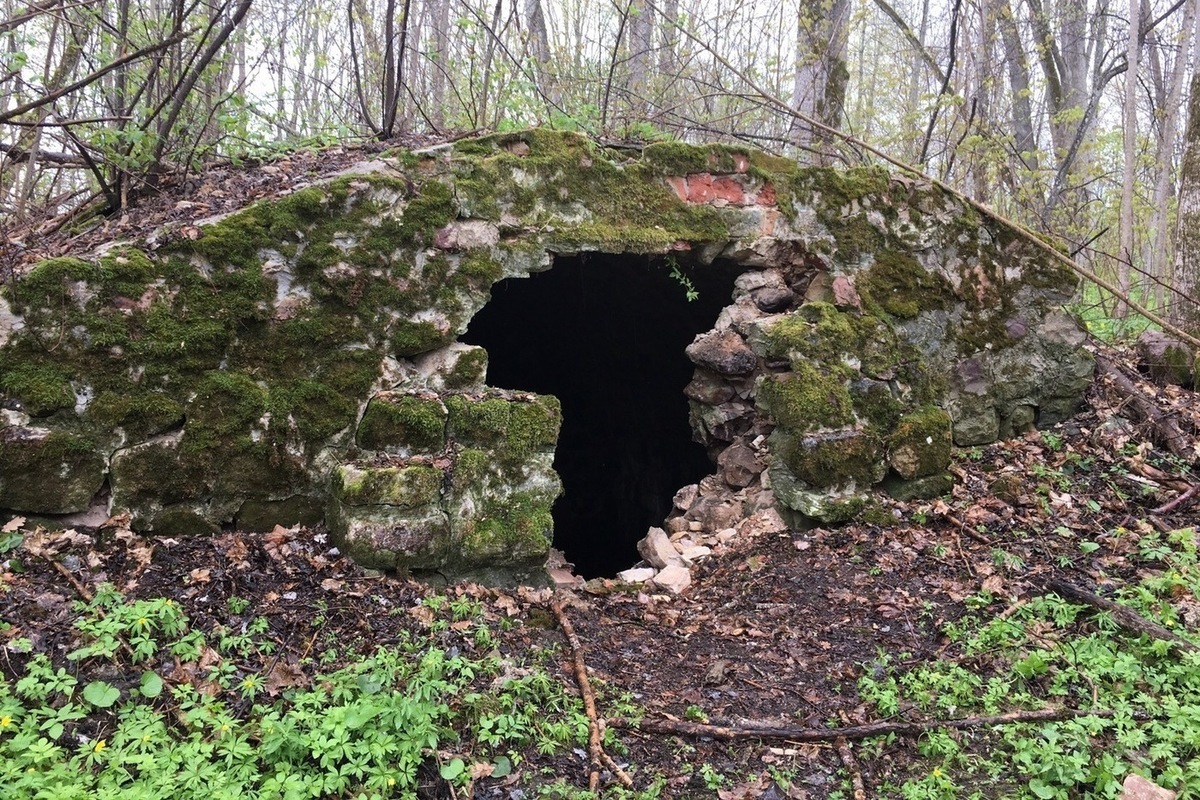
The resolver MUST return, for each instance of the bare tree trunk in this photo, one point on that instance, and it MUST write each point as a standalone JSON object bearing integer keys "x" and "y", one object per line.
{"x": 668, "y": 59}
{"x": 1160, "y": 262}
{"x": 819, "y": 87}
{"x": 439, "y": 13}
{"x": 641, "y": 27}
{"x": 1184, "y": 310}
{"x": 539, "y": 42}
{"x": 1018, "y": 80}
{"x": 1125, "y": 255}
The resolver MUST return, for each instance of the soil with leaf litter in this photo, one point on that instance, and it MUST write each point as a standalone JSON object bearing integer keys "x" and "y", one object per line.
{"x": 776, "y": 630}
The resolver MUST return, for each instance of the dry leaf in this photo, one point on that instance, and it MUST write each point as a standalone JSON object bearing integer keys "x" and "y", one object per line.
{"x": 200, "y": 575}
{"x": 13, "y": 524}
{"x": 283, "y": 675}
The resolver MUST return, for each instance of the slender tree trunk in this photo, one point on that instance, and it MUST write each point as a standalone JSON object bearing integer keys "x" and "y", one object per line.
{"x": 820, "y": 78}
{"x": 641, "y": 27}
{"x": 1160, "y": 261}
{"x": 1184, "y": 308}
{"x": 539, "y": 45}
{"x": 439, "y": 13}
{"x": 1125, "y": 255}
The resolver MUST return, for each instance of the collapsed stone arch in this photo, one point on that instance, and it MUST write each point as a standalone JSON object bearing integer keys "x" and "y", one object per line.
{"x": 301, "y": 360}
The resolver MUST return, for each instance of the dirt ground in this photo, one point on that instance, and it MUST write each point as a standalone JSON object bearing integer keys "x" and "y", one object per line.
{"x": 773, "y": 629}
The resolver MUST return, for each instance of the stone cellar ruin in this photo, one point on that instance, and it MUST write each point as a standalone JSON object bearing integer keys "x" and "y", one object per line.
{"x": 455, "y": 357}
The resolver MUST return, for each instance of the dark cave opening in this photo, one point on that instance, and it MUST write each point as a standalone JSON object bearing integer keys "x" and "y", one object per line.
{"x": 606, "y": 335}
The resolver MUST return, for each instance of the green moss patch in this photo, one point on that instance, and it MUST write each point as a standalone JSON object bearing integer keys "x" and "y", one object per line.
{"x": 834, "y": 459}
{"x": 48, "y": 473}
{"x": 900, "y": 286}
{"x": 41, "y": 389}
{"x": 513, "y": 429}
{"x": 805, "y": 399}
{"x": 139, "y": 414}
{"x": 403, "y": 422}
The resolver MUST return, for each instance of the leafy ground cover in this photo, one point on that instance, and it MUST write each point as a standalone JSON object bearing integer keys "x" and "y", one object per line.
{"x": 268, "y": 666}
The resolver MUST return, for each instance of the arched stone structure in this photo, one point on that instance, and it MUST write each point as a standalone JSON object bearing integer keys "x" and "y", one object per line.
{"x": 300, "y": 360}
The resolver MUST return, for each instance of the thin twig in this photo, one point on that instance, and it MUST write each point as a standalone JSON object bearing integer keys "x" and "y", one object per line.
{"x": 761, "y": 729}
{"x": 596, "y": 754}
{"x": 1182, "y": 500}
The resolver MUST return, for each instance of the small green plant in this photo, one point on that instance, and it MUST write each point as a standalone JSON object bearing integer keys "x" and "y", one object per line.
{"x": 1050, "y": 653}
{"x": 712, "y": 777}
{"x": 689, "y": 288}
{"x": 363, "y": 729}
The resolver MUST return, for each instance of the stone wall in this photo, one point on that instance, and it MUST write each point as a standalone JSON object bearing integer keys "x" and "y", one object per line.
{"x": 297, "y": 361}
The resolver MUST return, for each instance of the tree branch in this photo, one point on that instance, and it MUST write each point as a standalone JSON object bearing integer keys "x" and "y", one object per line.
{"x": 92, "y": 77}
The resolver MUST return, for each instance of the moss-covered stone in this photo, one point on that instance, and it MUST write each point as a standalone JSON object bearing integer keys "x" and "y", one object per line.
{"x": 805, "y": 399}
{"x": 921, "y": 443}
{"x": 403, "y": 423}
{"x": 833, "y": 459}
{"x": 821, "y": 334}
{"x": 411, "y": 486}
{"x": 512, "y": 529}
{"x": 41, "y": 389}
{"x": 900, "y": 286}
{"x": 924, "y": 488}
{"x": 139, "y": 414}
{"x": 469, "y": 370}
{"x": 512, "y": 429}
{"x": 47, "y": 472}
{"x": 181, "y": 521}
{"x": 263, "y": 515}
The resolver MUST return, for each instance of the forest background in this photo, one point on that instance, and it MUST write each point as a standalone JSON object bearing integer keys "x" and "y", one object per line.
{"x": 1067, "y": 116}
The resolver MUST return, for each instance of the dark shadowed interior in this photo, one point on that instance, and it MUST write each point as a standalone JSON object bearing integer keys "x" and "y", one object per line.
{"x": 606, "y": 335}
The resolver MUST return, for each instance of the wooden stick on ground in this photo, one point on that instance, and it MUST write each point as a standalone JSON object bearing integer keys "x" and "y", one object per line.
{"x": 1125, "y": 617}
{"x": 847, "y": 757}
{"x": 596, "y": 754}
{"x": 1175, "y": 439}
{"x": 764, "y": 729}
{"x": 1182, "y": 501}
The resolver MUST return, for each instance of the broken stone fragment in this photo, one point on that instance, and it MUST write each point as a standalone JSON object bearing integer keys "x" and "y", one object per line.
{"x": 637, "y": 574}
{"x": 694, "y": 553}
{"x": 1135, "y": 787}
{"x": 766, "y": 521}
{"x": 657, "y": 549}
{"x": 714, "y": 513}
{"x": 740, "y": 465}
{"x": 707, "y": 388}
{"x": 674, "y": 579}
{"x": 772, "y": 299}
{"x": 844, "y": 294}
{"x": 686, "y": 496}
{"x": 724, "y": 352}
{"x": 1167, "y": 359}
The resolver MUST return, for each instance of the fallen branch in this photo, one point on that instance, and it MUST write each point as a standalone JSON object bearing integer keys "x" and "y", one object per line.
{"x": 847, "y": 757}
{"x": 1125, "y": 617}
{"x": 760, "y": 729}
{"x": 596, "y": 754}
{"x": 1182, "y": 501}
{"x": 1175, "y": 439}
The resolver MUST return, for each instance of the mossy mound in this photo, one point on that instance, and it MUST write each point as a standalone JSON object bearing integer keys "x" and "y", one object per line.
{"x": 228, "y": 374}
